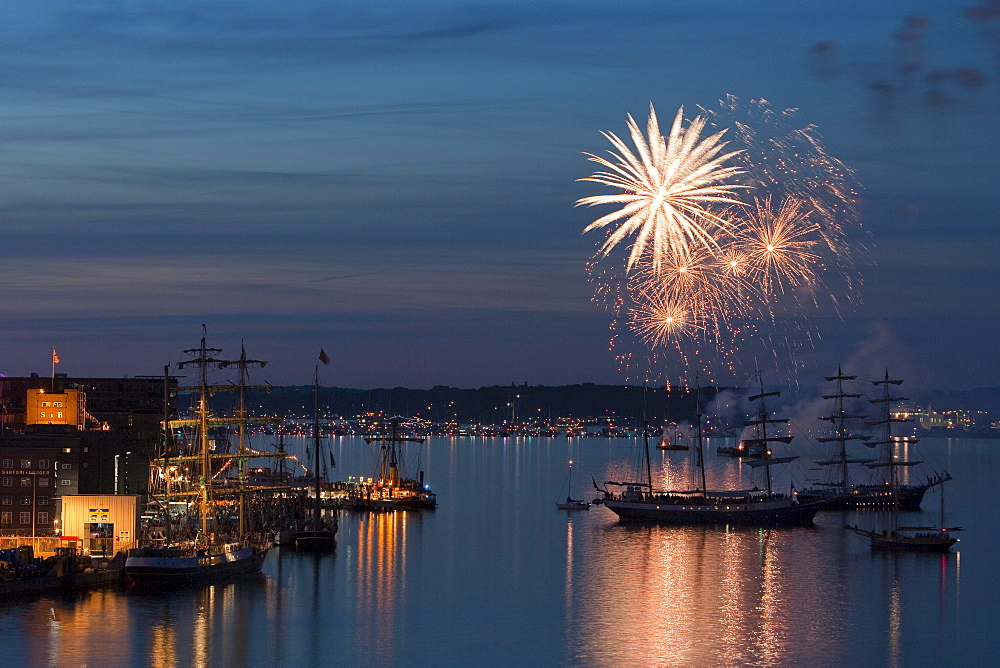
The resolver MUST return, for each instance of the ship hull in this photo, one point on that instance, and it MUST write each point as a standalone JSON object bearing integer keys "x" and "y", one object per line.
{"x": 166, "y": 572}
{"x": 315, "y": 541}
{"x": 901, "y": 541}
{"x": 867, "y": 497}
{"x": 765, "y": 513}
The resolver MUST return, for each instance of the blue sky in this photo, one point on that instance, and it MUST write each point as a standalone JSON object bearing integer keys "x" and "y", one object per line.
{"x": 395, "y": 184}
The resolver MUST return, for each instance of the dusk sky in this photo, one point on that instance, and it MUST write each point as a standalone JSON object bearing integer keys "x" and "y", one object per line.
{"x": 394, "y": 182}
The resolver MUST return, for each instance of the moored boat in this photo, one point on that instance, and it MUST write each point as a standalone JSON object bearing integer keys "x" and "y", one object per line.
{"x": 570, "y": 503}
{"x": 641, "y": 502}
{"x": 839, "y": 491}
{"x": 318, "y": 533}
{"x": 899, "y": 538}
{"x": 210, "y": 555}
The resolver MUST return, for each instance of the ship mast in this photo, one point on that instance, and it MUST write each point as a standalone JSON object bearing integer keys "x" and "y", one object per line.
{"x": 203, "y": 359}
{"x": 841, "y": 435}
{"x": 889, "y": 441}
{"x": 317, "y": 508}
{"x": 701, "y": 443}
{"x": 761, "y": 442}
{"x": 241, "y": 413}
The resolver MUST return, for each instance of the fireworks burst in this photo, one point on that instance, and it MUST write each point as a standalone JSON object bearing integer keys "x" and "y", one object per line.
{"x": 724, "y": 234}
{"x": 666, "y": 189}
{"x": 776, "y": 245}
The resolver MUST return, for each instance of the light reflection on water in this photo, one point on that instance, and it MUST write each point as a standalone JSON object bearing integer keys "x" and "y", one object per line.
{"x": 498, "y": 576}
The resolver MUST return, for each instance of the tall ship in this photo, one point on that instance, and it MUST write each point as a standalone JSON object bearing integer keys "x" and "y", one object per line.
{"x": 640, "y": 502}
{"x": 216, "y": 536}
{"x": 392, "y": 488}
{"x": 882, "y": 489}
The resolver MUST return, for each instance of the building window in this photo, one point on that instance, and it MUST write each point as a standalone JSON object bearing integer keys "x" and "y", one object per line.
{"x": 8, "y": 463}
{"x": 25, "y": 482}
{"x": 43, "y": 482}
{"x": 67, "y": 449}
{"x": 25, "y": 463}
{"x": 6, "y": 517}
{"x": 43, "y": 463}
{"x": 43, "y": 518}
{"x": 65, "y": 482}
{"x": 45, "y": 404}
{"x": 8, "y": 481}
{"x": 57, "y": 404}
{"x": 43, "y": 500}
{"x": 67, "y": 466}
{"x": 26, "y": 517}
{"x": 60, "y": 413}
{"x": 25, "y": 500}
{"x": 8, "y": 500}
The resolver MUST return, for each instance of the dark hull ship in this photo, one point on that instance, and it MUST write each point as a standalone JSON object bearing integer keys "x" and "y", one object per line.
{"x": 639, "y": 502}
{"x": 212, "y": 554}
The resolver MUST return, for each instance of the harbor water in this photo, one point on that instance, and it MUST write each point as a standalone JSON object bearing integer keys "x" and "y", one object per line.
{"x": 497, "y": 576}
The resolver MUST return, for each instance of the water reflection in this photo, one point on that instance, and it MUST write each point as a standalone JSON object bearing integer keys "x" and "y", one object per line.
{"x": 381, "y": 551}
{"x": 498, "y": 562}
{"x": 700, "y": 595}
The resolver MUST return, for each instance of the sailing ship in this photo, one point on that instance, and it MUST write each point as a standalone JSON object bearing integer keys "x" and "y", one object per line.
{"x": 317, "y": 534}
{"x": 391, "y": 489}
{"x": 841, "y": 493}
{"x": 899, "y": 538}
{"x": 671, "y": 444}
{"x": 570, "y": 503}
{"x": 640, "y": 502}
{"x": 217, "y": 550}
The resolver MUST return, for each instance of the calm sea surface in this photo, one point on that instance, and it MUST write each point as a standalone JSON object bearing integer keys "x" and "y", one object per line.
{"x": 497, "y": 576}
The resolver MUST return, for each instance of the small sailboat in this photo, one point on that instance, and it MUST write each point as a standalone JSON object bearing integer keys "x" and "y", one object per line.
{"x": 570, "y": 503}
{"x": 899, "y": 538}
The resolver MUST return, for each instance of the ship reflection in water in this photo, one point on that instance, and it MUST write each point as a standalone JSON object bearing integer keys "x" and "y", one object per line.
{"x": 704, "y": 596}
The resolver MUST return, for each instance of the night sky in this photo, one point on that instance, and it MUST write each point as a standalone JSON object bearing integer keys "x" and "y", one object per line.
{"x": 394, "y": 182}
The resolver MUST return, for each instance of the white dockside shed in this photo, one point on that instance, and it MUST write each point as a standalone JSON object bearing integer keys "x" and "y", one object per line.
{"x": 102, "y": 524}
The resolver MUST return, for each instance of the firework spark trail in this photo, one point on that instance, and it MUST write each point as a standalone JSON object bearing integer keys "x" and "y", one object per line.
{"x": 725, "y": 235}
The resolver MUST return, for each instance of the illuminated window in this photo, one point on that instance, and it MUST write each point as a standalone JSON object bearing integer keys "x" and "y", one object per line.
{"x": 65, "y": 483}
{"x": 60, "y": 414}
{"x": 25, "y": 463}
{"x": 6, "y": 517}
{"x": 57, "y": 404}
{"x": 45, "y": 404}
{"x": 43, "y": 518}
{"x": 25, "y": 482}
{"x": 67, "y": 466}
{"x": 25, "y": 500}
